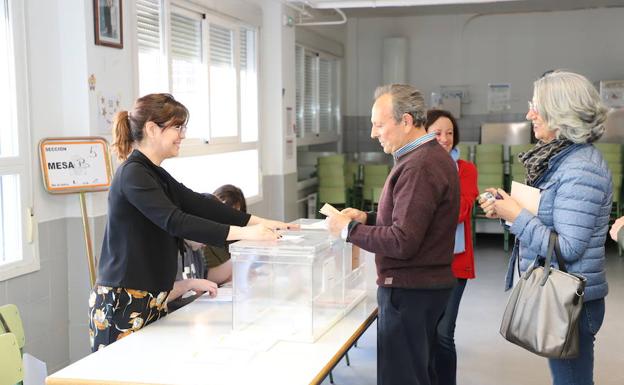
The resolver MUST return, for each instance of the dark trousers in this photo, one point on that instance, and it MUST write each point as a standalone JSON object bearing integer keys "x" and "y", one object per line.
{"x": 445, "y": 355}
{"x": 406, "y": 332}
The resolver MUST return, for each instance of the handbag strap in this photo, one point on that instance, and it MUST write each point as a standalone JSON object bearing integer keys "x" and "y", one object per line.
{"x": 553, "y": 247}
{"x": 559, "y": 255}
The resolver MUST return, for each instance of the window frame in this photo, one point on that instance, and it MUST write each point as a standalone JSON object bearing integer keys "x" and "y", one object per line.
{"x": 208, "y": 146}
{"x": 335, "y": 101}
{"x": 21, "y": 164}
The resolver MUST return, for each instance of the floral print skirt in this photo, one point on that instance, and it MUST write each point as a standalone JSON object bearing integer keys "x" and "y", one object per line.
{"x": 115, "y": 312}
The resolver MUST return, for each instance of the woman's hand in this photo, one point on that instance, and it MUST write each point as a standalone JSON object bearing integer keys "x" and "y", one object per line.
{"x": 275, "y": 225}
{"x": 259, "y": 232}
{"x": 197, "y": 285}
{"x": 201, "y": 286}
{"x": 278, "y": 225}
{"x": 355, "y": 214}
{"x": 617, "y": 225}
{"x": 504, "y": 208}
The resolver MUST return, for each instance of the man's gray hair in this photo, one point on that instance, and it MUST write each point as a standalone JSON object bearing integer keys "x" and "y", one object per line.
{"x": 568, "y": 102}
{"x": 405, "y": 100}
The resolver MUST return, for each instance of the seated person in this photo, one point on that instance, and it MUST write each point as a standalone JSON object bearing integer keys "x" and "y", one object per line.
{"x": 208, "y": 262}
{"x": 218, "y": 259}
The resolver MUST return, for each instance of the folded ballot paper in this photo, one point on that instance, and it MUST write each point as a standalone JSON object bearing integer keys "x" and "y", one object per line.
{"x": 328, "y": 210}
{"x": 527, "y": 197}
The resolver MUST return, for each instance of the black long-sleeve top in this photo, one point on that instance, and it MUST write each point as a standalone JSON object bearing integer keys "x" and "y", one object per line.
{"x": 149, "y": 214}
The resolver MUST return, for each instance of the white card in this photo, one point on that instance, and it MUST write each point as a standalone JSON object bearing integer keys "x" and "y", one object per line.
{"x": 527, "y": 197}
{"x": 328, "y": 210}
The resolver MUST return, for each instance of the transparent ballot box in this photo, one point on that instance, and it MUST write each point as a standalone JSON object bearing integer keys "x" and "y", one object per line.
{"x": 296, "y": 288}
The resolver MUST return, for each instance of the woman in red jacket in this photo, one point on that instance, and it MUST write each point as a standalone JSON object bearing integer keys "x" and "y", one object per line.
{"x": 445, "y": 357}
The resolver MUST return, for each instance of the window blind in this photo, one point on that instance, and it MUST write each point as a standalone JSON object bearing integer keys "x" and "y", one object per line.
{"x": 148, "y": 24}
{"x": 309, "y": 92}
{"x": 325, "y": 122}
{"x": 299, "y": 88}
{"x": 221, "y": 46}
{"x": 186, "y": 41}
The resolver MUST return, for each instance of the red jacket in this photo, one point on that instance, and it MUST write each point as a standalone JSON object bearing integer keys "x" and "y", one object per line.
{"x": 463, "y": 263}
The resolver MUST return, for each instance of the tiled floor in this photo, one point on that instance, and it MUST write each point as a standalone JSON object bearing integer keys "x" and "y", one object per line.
{"x": 485, "y": 358}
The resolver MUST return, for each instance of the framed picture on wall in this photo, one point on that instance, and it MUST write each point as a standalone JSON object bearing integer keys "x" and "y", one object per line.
{"x": 108, "y": 23}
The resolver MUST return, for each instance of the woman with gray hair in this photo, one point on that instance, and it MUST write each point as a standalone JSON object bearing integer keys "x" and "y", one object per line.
{"x": 576, "y": 197}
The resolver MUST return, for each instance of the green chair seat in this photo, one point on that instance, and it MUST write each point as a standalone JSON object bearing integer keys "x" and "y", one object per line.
{"x": 332, "y": 159}
{"x": 607, "y": 148}
{"x": 465, "y": 152}
{"x": 333, "y": 195}
{"x": 613, "y": 157}
{"x": 490, "y": 168}
{"x": 489, "y": 148}
{"x": 488, "y": 157}
{"x": 516, "y": 149}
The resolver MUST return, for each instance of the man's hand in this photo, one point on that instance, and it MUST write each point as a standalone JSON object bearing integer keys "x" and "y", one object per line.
{"x": 336, "y": 223}
{"x": 617, "y": 225}
{"x": 355, "y": 214}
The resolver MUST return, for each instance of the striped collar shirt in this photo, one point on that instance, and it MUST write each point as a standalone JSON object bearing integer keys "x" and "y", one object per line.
{"x": 411, "y": 146}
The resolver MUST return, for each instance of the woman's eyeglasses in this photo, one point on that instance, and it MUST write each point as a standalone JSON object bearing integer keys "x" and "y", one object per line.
{"x": 533, "y": 107}
{"x": 181, "y": 128}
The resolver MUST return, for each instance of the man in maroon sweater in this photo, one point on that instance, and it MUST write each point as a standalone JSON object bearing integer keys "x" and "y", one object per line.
{"x": 412, "y": 235}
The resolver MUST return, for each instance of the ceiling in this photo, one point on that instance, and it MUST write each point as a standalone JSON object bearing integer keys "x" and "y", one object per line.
{"x": 375, "y": 8}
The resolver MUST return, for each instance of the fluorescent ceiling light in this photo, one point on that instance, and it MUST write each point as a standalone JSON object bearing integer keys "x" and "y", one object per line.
{"x": 391, "y": 3}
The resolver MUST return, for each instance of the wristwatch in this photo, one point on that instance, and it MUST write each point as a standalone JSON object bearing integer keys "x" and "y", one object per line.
{"x": 344, "y": 234}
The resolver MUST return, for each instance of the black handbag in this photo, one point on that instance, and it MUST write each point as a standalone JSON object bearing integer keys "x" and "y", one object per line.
{"x": 543, "y": 309}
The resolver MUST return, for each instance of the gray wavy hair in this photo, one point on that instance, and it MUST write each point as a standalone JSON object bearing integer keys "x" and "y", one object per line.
{"x": 569, "y": 103}
{"x": 405, "y": 100}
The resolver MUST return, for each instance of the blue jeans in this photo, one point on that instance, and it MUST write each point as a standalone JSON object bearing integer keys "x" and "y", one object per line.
{"x": 580, "y": 370}
{"x": 445, "y": 356}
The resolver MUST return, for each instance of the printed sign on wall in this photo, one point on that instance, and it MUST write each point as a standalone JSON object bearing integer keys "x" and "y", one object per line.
{"x": 72, "y": 165}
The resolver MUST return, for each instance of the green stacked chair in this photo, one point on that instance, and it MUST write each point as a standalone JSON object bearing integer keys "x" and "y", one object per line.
{"x": 374, "y": 178}
{"x": 491, "y": 173}
{"x": 465, "y": 151}
{"x": 353, "y": 181}
{"x": 517, "y": 171}
{"x": 612, "y": 154}
{"x": 11, "y": 322}
{"x": 12, "y": 342}
{"x": 11, "y": 370}
{"x": 489, "y": 162}
{"x": 331, "y": 177}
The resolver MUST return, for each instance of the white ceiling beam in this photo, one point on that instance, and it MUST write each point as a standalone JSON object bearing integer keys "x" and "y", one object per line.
{"x": 324, "y": 4}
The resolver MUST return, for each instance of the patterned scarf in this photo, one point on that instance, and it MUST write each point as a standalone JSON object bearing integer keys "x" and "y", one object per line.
{"x": 536, "y": 159}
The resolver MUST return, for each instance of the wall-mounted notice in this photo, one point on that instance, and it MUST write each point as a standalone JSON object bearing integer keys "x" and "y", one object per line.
{"x": 612, "y": 93}
{"x": 73, "y": 165}
{"x": 499, "y": 97}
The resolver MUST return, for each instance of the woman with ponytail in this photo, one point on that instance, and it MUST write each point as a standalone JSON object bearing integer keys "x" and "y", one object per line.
{"x": 149, "y": 216}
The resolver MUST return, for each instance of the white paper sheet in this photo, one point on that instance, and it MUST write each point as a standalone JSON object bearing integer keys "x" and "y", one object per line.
{"x": 319, "y": 225}
{"x": 528, "y": 197}
{"x": 35, "y": 371}
{"x": 224, "y": 294}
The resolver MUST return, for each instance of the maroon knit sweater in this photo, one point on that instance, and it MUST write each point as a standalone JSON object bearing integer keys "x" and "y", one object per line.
{"x": 413, "y": 235}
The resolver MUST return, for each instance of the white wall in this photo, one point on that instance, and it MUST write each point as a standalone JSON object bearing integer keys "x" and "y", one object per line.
{"x": 477, "y": 50}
